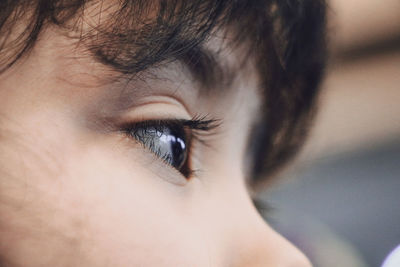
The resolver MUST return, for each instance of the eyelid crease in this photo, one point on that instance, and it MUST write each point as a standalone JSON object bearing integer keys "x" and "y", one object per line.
{"x": 163, "y": 100}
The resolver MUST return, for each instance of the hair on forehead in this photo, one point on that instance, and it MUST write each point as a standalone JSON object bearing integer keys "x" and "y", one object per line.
{"x": 130, "y": 34}
{"x": 285, "y": 37}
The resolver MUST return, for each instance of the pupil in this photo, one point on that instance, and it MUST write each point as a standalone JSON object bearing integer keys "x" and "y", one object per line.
{"x": 178, "y": 151}
{"x": 176, "y": 148}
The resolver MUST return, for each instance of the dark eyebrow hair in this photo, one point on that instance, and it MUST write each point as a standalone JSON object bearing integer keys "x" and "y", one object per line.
{"x": 206, "y": 68}
{"x": 204, "y": 65}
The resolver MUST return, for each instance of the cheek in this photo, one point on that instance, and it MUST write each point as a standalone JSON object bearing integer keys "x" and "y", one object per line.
{"x": 132, "y": 218}
{"x": 77, "y": 203}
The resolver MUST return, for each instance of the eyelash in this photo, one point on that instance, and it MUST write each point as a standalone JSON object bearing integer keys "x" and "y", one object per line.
{"x": 194, "y": 129}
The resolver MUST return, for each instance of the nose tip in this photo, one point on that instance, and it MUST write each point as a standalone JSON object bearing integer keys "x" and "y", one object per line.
{"x": 287, "y": 255}
{"x": 297, "y": 258}
{"x": 268, "y": 248}
{"x": 253, "y": 243}
{"x": 279, "y": 256}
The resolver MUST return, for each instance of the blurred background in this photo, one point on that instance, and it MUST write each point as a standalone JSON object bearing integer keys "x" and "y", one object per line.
{"x": 340, "y": 202}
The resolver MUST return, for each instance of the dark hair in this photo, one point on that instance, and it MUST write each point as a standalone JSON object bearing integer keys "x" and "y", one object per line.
{"x": 286, "y": 37}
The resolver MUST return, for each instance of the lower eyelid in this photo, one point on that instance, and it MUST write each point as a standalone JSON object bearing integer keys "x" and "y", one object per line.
{"x": 161, "y": 170}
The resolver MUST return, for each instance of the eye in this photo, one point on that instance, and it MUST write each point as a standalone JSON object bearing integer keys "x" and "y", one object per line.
{"x": 170, "y": 140}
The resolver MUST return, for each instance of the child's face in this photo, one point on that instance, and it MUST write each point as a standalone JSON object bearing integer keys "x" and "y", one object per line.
{"x": 81, "y": 186}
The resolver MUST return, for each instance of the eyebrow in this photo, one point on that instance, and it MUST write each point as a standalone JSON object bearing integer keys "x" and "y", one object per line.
{"x": 205, "y": 66}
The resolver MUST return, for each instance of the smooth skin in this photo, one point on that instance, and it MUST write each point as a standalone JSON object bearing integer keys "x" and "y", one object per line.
{"x": 75, "y": 191}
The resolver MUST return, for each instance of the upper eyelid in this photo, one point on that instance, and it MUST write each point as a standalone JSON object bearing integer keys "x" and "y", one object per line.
{"x": 196, "y": 123}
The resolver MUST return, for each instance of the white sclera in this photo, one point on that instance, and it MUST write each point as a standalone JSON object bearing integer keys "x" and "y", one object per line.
{"x": 393, "y": 259}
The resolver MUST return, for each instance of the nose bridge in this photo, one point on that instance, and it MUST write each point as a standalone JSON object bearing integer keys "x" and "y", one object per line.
{"x": 257, "y": 244}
